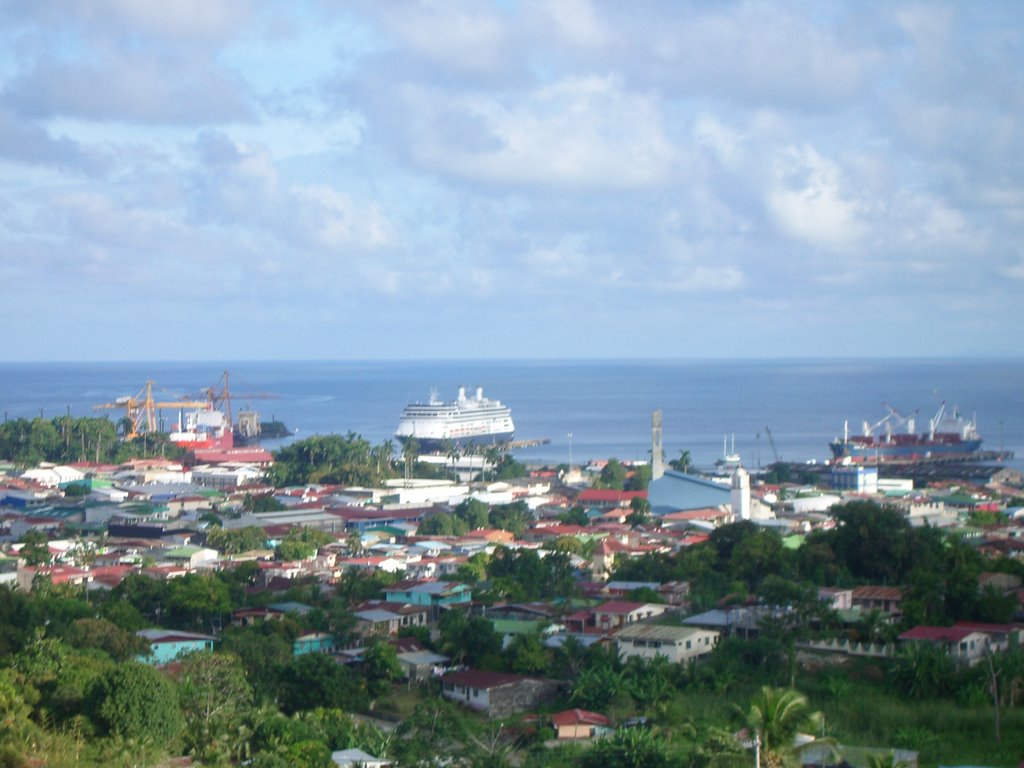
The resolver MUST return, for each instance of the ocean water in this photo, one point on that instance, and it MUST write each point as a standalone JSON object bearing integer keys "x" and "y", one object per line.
{"x": 605, "y": 406}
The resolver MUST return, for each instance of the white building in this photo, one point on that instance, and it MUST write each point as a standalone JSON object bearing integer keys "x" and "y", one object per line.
{"x": 740, "y": 495}
{"x": 418, "y": 492}
{"x": 53, "y": 476}
{"x": 857, "y": 478}
{"x": 677, "y": 644}
{"x": 353, "y": 758}
{"x": 226, "y": 475}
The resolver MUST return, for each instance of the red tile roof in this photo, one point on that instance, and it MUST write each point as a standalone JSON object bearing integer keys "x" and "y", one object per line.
{"x": 241, "y": 455}
{"x": 978, "y": 626}
{"x": 877, "y": 593}
{"x": 618, "y": 607}
{"x": 481, "y": 679}
{"x": 559, "y": 530}
{"x": 708, "y": 513}
{"x": 610, "y": 547}
{"x": 579, "y": 717}
{"x": 937, "y": 634}
{"x": 608, "y": 495}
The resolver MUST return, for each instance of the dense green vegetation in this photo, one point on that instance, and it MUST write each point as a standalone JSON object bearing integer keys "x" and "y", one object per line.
{"x": 473, "y": 514}
{"x": 871, "y": 545}
{"x": 64, "y": 439}
{"x": 615, "y": 476}
{"x": 352, "y": 460}
{"x": 333, "y": 459}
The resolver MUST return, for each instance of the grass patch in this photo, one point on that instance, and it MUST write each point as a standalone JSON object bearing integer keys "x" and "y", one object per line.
{"x": 863, "y": 713}
{"x": 403, "y": 699}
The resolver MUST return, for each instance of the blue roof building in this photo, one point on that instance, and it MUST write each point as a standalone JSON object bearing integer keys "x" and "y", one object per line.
{"x": 314, "y": 642}
{"x": 677, "y": 492}
{"x": 166, "y": 645}
{"x": 434, "y": 594}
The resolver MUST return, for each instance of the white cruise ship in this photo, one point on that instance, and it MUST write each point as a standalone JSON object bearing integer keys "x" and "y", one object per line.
{"x": 466, "y": 421}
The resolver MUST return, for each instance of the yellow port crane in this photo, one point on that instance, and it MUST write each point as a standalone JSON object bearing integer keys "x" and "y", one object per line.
{"x": 140, "y": 410}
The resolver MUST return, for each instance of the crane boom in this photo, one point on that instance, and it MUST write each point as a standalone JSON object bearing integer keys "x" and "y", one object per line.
{"x": 771, "y": 442}
{"x": 138, "y": 411}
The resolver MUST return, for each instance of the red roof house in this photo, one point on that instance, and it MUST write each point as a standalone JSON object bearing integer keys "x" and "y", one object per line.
{"x": 580, "y": 724}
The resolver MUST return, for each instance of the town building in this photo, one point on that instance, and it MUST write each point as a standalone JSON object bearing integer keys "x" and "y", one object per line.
{"x": 167, "y": 645}
{"x": 677, "y": 644}
{"x": 434, "y": 594}
{"x": 356, "y": 758}
{"x": 963, "y": 644}
{"x": 612, "y": 616}
{"x": 888, "y": 600}
{"x": 496, "y": 694}
{"x": 580, "y": 724}
{"x": 856, "y": 478}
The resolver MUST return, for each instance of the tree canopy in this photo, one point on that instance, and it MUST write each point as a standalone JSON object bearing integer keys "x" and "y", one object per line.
{"x": 135, "y": 701}
{"x": 333, "y": 459}
{"x": 65, "y": 439}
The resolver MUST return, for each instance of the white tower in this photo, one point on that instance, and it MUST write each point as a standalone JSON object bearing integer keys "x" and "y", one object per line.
{"x": 740, "y": 495}
{"x": 657, "y": 452}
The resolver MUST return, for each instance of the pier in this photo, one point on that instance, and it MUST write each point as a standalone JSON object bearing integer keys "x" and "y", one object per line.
{"x": 529, "y": 443}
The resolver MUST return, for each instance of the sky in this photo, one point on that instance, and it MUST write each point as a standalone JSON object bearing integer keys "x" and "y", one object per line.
{"x": 434, "y": 179}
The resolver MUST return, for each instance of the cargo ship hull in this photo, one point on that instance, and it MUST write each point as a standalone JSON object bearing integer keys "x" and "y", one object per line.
{"x": 904, "y": 451}
{"x": 950, "y": 437}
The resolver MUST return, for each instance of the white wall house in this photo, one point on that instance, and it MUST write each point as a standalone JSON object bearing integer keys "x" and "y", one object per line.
{"x": 677, "y": 644}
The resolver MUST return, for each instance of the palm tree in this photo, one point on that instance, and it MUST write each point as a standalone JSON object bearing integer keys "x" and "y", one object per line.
{"x": 493, "y": 455}
{"x": 354, "y": 542}
{"x": 383, "y": 455}
{"x": 872, "y": 626}
{"x": 776, "y": 717}
{"x": 682, "y": 464}
{"x": 452, "y": 453}
{"x": 571, "y": 655}
{"x": 410, "y": 452}
{"x": 922, "y": 670}
{"x": 628, "y": 748}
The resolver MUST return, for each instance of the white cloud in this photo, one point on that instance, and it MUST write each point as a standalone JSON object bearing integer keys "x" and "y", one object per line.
{"x": 565, "y": 260}
{"x": 754, "y": 52}
{"x": 578, "y": 131}
{"x": 610, "y": 161}
{"x": 706, "y": 279}
{"x": 102, "y": 220}
{"x": 335, "y": 222}
{"x": 726, "y": 142}
{"x": 239, "y": 185}
{"x": 923, "y": 222}
{"x": 1015, "y": 271}
{"x": 131, "y": 87}
{"x": 182, "y": 21}
{"x": 810, "y": 201}
{"x": 466, "y": 36}
{"x": 576, "y": 21}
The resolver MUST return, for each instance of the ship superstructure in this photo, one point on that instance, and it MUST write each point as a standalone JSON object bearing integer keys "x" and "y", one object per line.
{"x": 894, "y": 438}
{"x": 464, "y": 421}
{"x": 206, "y": 428}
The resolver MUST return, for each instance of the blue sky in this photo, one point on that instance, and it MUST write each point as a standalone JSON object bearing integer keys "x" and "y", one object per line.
{"x": 232, "y": 179}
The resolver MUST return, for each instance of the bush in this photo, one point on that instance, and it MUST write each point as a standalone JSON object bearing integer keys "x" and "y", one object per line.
{"x": 134, "y": 701}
